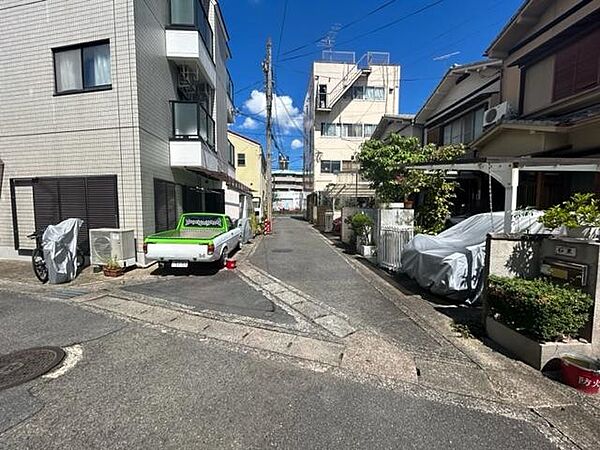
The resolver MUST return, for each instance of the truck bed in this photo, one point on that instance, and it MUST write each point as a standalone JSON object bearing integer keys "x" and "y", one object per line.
{"x": 201, "y": 233}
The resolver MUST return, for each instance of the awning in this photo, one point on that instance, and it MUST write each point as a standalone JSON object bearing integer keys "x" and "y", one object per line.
{"x": 231, "y": 182}
{"x": 506, "y": 172}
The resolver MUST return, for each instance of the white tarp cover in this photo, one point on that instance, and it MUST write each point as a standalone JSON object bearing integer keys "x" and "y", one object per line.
{"x": 60, "y": 250}
{"x": 452, "y": 262}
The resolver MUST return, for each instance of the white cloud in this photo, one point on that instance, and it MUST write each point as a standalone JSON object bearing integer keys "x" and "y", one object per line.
{"x": 249, "y": 124}
{"x": 285, "y": 115}
{"x": 296, "y": 144}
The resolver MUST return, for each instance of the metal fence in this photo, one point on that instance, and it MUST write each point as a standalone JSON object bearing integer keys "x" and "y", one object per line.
{"x": 392, "y": 240}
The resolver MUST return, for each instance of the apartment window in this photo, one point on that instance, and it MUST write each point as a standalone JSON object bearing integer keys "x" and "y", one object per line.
{"x": 231, "y": 158}
{"x": 352, "y": 130}
{"x": 82, "y": 68}
{"x": 369, "y": 129}
{"x": 577, "y": 67}
{"x": 348, "y": 166}
{"x": 322, "y": 96}
{"x": 330, "y": 129}
{"x": 464, "y": 129}
{"x": 241, "y": 159}
{"x": 373, "y": 93}
{"x": 330, "y": 166}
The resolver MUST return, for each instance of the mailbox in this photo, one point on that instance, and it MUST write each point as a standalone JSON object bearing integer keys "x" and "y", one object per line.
{"x": 570, "y": 272}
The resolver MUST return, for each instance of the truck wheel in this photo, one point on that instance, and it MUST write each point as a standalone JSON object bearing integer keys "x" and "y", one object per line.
{"x": 224, "y": 256}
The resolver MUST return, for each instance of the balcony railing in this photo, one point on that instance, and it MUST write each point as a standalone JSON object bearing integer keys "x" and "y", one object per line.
{"x": 229, "y": 87}
{"x": 191, "y": 14}
{"x": 192, "y": 121}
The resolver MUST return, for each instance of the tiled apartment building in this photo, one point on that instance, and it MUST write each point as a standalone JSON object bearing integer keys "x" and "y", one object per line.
{"x": 345, "y": 101}
{"x": 114, "y": 111}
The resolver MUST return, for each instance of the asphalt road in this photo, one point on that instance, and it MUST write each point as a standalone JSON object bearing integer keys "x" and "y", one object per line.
{"x": 138, "y": 386}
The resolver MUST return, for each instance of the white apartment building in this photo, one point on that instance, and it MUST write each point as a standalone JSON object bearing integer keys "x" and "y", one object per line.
{"x": 114, "y": 111}
{"x": 345, "y": 102}
{"x": 288, "y": 190}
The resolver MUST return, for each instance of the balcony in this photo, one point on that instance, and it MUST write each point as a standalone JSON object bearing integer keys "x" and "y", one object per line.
{"x": 193, "y": 140}
{"x": 230, "y": 103}
{"x": 189, "y": 37}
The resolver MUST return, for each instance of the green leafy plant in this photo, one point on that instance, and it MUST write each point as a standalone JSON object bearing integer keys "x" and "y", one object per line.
{"x": 581, "y": 210}
{"x": 361, "y": 226}
{"x": 385, "y": 164}
{"x": 112, "y": 264}
{"x": 255, "y": 225}
{"x": 539, "y": 308}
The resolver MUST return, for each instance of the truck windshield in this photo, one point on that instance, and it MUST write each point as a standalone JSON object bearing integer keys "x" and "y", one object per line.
{"x": 202, "y": 222}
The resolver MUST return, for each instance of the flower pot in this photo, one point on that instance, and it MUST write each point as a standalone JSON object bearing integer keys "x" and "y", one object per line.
{"x": 366, "y": 250}
{"x": 581, "y": 372}
{"x": 588, "y": 233}
{"x": 112, "y": 273}
{"x": 409, "y": 204}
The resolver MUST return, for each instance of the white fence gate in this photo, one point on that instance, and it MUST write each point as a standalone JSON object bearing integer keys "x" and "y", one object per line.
{"x": 392, "y": 240}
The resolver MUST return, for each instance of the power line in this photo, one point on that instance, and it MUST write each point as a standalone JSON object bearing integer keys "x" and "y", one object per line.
{"x": 343, "y": 27}
{"x": 285, "y": 6}
{"x": 375, "y": 30}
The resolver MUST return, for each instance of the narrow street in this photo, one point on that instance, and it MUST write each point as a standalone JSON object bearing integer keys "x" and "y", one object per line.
{"x": 294, "y": 349}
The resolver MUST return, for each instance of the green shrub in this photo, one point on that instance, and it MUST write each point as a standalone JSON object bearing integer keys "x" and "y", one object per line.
{"x": 539, "y": 308}
{"x": 361, "y": 225}
{"x": 581, "y": 210}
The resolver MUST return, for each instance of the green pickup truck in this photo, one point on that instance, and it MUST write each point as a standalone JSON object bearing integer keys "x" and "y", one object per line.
{"x": 198, "y": 238}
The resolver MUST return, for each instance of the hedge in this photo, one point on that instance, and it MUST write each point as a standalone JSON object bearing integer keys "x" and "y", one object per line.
{"x": 538, "y": 308}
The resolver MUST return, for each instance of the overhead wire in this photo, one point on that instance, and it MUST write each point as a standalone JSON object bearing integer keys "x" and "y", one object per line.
{"x": 343, "y": 27}
{"x": 285, "y": 7}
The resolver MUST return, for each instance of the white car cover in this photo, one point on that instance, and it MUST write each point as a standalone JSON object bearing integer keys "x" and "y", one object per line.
{"x": 60, "y": 250}
{"x": 452, "y": 262}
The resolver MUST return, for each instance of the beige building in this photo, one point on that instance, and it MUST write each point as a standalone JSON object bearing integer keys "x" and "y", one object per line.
{"x": 345, "y": 102}
{"x": 550, "y": 97}
{"x": 117, "y": 113}
{"x": 250, "y": 168}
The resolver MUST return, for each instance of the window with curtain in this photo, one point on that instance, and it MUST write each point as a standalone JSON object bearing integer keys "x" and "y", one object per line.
{"x": 369, "y": 129}
{"x": 330, "y": 166}
{"x": 465, "y": 129}
{"x": 330, "y": 129}
{"x": 82, "y": 68}
{"x": 352, "y": 130}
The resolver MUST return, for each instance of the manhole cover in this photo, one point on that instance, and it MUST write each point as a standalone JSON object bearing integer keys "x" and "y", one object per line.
{"x": 282, "y": 250}
{"x": 25, "y": 365}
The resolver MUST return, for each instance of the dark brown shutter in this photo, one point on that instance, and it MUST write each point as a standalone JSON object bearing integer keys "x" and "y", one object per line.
{"x": 160, "y": 206}
{"x": 577, "y": 67}
{"x": 171, "y": 206}
{"x": 588, "y": 60}
{"x": 46, "y": 203}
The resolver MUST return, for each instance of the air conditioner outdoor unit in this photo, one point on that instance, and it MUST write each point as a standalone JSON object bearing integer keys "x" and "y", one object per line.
{"x": 494, "y": 115}
{"x": 112, "y": 244}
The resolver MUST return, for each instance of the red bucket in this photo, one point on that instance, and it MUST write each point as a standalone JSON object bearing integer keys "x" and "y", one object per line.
{"x": 230, "y": 264}
{"x": 581, "y": 372}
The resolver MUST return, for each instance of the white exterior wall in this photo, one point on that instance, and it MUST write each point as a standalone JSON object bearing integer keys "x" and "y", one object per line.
{"x": 123, "y": 131}
{"x": 346, "y": 110}
{"x": 92, "y": 133}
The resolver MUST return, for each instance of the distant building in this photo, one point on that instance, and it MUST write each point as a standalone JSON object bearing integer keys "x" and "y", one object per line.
{"x": 345, "y": 102}
{"x": 250, "y": 167}
{"x": 288, "y": 190}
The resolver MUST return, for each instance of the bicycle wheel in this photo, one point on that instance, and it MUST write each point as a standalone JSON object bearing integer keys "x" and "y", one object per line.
{"x": 39, "y": 265}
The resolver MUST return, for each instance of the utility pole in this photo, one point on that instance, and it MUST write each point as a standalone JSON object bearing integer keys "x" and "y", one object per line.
{"x": 268, "y": 70}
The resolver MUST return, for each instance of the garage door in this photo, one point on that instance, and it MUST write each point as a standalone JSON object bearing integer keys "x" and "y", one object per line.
{"x": 93, "y": 199}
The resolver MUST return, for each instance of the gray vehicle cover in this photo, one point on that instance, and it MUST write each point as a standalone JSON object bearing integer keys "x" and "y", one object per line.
{"x": 60, "y": 250}
{"x": 452, "y": 262}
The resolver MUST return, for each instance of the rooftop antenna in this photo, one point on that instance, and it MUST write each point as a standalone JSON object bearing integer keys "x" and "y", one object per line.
{"x": 327, "y": 42}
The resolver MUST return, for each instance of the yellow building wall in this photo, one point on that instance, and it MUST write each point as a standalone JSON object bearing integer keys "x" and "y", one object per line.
{"x": 252, "y": 174}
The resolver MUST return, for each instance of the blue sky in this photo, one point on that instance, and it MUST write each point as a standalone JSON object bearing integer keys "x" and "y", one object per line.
{"x": 461, "y": 28}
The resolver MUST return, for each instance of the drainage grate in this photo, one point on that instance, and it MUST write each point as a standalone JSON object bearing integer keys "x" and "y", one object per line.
{"x": 282, "y": 250}
{"x": 25, "y": 365}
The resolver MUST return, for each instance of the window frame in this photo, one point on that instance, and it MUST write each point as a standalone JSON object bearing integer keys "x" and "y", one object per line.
{"x": 80, "y": 47}
{"x": 330, "y": 163}
{"x": 239, "y": 164}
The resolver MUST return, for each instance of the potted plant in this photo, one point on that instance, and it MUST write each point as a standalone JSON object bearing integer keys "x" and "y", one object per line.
{"x": 112, "y": 268}
{"x": 536, "y": 319}
{"x": 362, "y": 227}
{"x": 579, "y": 216}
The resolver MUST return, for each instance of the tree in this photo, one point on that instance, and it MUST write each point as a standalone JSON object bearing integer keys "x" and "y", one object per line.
{"x": 384, "y": 163}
